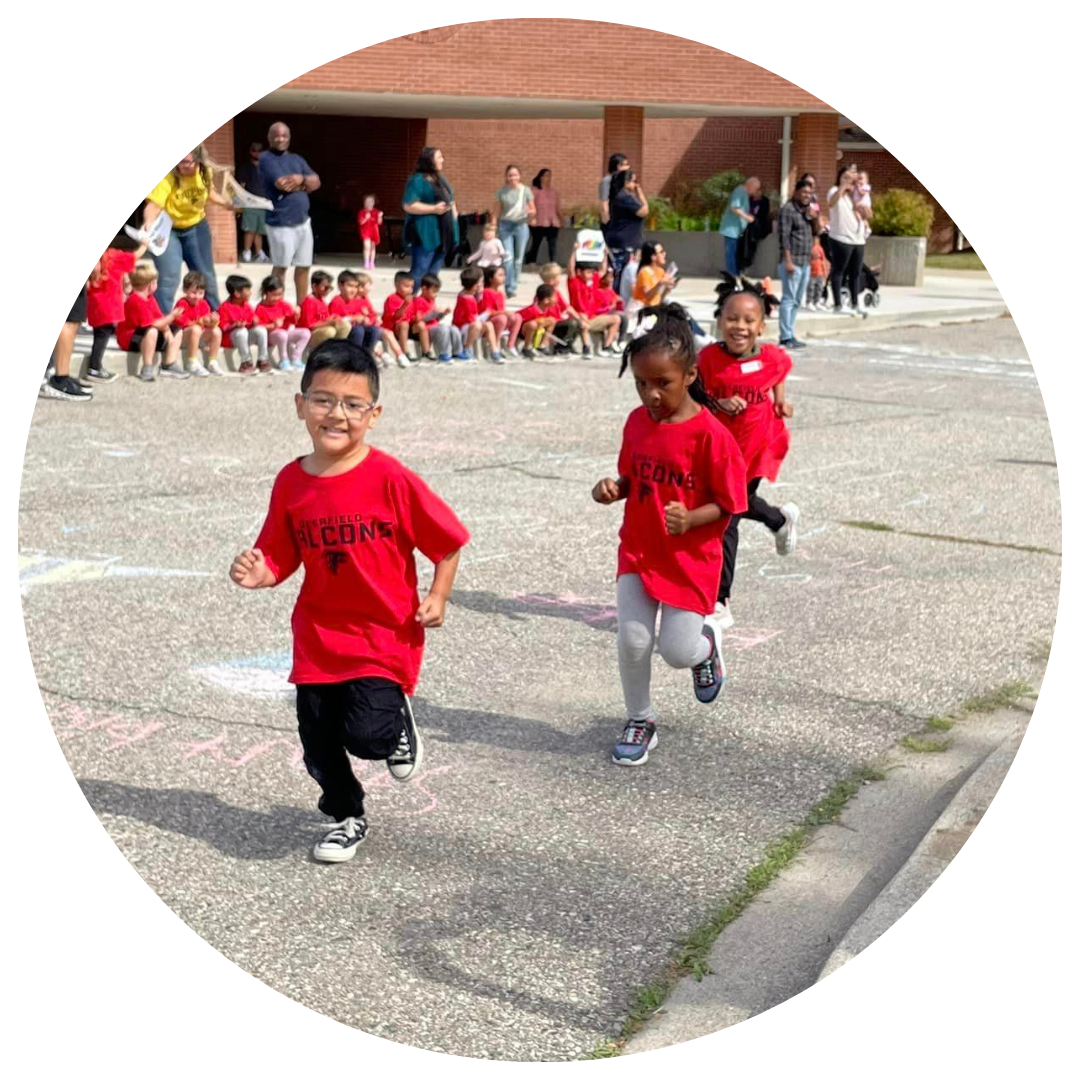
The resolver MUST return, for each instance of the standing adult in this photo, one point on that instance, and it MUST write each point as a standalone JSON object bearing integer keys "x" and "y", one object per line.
{"x": 626, "y": 229}
{"x": 287, "y": 179}
{"x": 183, "y": 195}
{"x": 431, "y": 225}
{"x": 796, "y": 242}
{"x": 253, "y": 219}
{"x": 617, "y": 163}
{"x": 548, "y": 217}
{"x": 736, "y": 217}
{"x": 515, "y": 210}
{"x": 847, "y": 240}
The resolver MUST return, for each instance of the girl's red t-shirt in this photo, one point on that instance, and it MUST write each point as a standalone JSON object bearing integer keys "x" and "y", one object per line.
{"x": 355, "y": 535}
{"x": 762, "y": 435}
{"x": 265, "y": 314}
{"x": 105, "y": 296}
{"x": 696, "y": 463}
{"x": 230, "y": 314}
{"x": 492, "y": 300}
{"x": 368, "y": 222}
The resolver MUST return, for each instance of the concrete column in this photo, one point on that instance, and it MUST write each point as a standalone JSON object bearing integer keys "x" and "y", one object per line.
{"x": 222, "y": 222}
{"x": 624, "y": 133}
{"x": 814, "y": 150}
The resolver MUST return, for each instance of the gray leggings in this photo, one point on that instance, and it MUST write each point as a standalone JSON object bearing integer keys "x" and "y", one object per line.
{"x": 256, "y": 335}
{"x": 682, "y": 644}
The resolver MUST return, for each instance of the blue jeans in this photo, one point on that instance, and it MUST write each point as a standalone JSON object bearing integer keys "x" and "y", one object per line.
{"x": 731, "y": 255}
{"x": 367, "y": 337}
{"x": 193, "y": 246}
{"x": 794, "y": 290}
{"x": 424, "y": 262}
{"x": 515, "y": 238}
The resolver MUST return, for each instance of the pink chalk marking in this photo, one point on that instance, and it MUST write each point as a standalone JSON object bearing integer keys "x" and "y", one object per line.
{"x": 873, "y": 588}
{"x": 215, "y": 748}
{"x": 142, "y": 731}
{"x": 741, "y": 638}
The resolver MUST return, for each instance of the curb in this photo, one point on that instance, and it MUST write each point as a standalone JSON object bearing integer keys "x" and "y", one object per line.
{"x": 893, "y": 320}
{"x": 932, "y": 855}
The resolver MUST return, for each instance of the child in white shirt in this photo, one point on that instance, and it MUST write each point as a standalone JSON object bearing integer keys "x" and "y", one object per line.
{"x": 491, "y": 251}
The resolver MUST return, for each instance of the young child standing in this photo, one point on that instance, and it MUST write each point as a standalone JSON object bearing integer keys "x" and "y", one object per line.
{"x": 368, "y": 222}
{"x": 145, "y": 330}
{"x": 353, "y": 516}
{"x": 490, "y": 251}
{"x": 315, "y": 315}
{"x": 819, "y": 276}
{"x": 682, "y": 477}
{"x": 746, "y": 380}
{"x": 279, "y": 317}
{"x": 493, "y": 303}
{"x": 468, "y": 320}
{"x": 199, "y": 326}
{"x": 105, "y": 293}
{"x": 239, "y": 329}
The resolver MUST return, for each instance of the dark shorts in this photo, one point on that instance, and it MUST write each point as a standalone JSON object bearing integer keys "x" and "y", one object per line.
{"x": 78, "y": 309}
{"x": 136, "y": 340}
{"x": 365, "y": 716}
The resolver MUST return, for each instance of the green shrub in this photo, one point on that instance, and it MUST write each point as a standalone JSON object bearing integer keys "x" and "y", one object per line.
{"x": 583, "y": 217}
{"x": 713, "y": 194}
{"x": 902, "y": 213}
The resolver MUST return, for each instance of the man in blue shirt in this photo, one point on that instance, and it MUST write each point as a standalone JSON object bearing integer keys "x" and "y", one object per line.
{"x": 287, "y": 178}
{"x": 736, "y": 217}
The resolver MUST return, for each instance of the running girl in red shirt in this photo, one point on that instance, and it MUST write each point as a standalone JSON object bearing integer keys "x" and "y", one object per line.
{"x": 353, "y": 517}
{"x": 747, "y": 381}
{"x": 682, "y": 477}
{"x": 368, "y": 221}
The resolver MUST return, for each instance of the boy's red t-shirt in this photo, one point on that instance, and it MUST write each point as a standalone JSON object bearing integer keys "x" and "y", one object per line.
{"x": 312, "y": 312}
{"x": 762, "y": 435}
{"x": 696, "y": 462}
{"x": 395, "y": 308}
{"x": 534, "y": 311}
{"x": 466, "y": 310}
{"x": 558, "y": 305}
{"x": 229, "y": 314}
{"x": 421, "y": 308}
{"x": 358, "y": 305}
{"x": 105, "y": 297}
{"x": 265, "y": 314}
{"x": 190, "y": 313}
{"x": 583, "y": 295}
{"x": 492, "y": 300}
{"x": 355, "y": 535}
{"x": 139, "y": 312}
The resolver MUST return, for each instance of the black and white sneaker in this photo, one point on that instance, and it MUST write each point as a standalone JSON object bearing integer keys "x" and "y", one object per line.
{"x": 405, "y": 761}
{"x": 637, "y": 739}
{"x": 709, "y": 675}
{"x": 341, "y": 842}
{"x": 101, "y": 375}
{"x": 64, "y": 388}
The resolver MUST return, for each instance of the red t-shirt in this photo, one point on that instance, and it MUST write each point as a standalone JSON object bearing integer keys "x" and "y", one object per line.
{"x": 492, "y": 300}
{"x": 230, "y": 314}
{"x": 105, "y": 297}
{"x": 422, "y": 308}
{"x": 762, "y": 435}
{"x": 312, "y": 312}
{"x": 607, "y": 300}
{"x": 534, "y": 311}
{"x": 368, "y": 222}
{"x": 583, "y": 296}
{"x": 139, "y": 312}
{"x": 358, "y": 305}
{"x": 394, "y": 310}
{"x": 265, "y": 314}
{"x": 190, "y": 313}
{"x": 355, "y": 535}
{"x": 696, "y": 462}
{"x": 466, "y": 310}
{"x": 558, "y": 305}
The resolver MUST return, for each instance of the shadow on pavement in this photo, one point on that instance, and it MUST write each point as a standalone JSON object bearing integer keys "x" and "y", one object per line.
{"x": 597, "y": 615}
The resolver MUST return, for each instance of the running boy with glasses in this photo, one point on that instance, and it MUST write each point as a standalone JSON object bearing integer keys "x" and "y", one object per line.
{"x": 353, "y": 516}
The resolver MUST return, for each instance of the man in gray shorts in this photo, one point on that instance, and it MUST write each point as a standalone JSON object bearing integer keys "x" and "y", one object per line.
{"x": 287, "y": 178}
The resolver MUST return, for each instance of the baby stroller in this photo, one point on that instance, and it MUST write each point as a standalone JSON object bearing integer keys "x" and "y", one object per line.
{"x": 461, "y": 253}
{"x": 868, "y": 290}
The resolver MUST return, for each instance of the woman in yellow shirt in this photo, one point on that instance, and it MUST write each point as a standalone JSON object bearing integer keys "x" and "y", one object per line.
{"x": 183, "y": 195}
{"x": 653, "y": 282}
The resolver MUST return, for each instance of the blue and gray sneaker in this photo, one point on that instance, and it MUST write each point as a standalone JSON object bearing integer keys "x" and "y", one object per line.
{"x": 709, "y": 675}
{"x": 638, "y": 738}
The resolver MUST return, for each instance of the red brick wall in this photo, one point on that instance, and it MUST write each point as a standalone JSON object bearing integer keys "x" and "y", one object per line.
{"x": 886, "y": 172}
{"x": 222, "y": 222}
{"x": 431, "y": 62}
{"x": 813, "y": 149}
{"x": 624, "y": 133}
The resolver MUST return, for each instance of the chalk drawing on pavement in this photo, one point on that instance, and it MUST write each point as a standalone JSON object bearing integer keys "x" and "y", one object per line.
{"x": 263, "y": 677}
{"x": 36, "y": 568}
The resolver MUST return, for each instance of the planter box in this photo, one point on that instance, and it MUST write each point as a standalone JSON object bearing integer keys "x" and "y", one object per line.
{"x": 902, "y": 258}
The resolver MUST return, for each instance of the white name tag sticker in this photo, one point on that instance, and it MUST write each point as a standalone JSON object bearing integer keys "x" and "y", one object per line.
{"x": 748, "y": 367}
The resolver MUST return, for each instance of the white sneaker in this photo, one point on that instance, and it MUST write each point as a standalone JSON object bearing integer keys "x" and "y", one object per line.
{"x": 195, "y": 367}
{"x": 403, "y": 361}
{"x": 245, "y": 256}
{"x": 786, "y": 535}
{"x": 262, "y": 257}
{"x": 341, "y": 842}
{"x": 213, "y": 368}
{"x": 722, "y": 616}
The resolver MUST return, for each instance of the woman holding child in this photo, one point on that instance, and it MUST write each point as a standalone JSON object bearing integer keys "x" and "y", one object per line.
{"x": 431, "y": 225}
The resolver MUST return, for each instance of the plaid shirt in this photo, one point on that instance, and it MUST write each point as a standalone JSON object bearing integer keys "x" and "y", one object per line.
{"x": 796, "y": 233}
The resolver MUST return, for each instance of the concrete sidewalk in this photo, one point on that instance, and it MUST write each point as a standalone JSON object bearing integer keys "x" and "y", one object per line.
{"x": 854, "y": 880}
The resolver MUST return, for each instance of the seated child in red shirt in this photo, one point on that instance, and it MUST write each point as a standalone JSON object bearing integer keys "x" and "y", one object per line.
{"x": 353, "y": 516}
{"x": 682, "y": 477}
{"x": 420, "y": 322}
{"x": 279, "y": 317}
{"x": 584, "y": 281}
{"x": 145, "y": 330}
{"x": 199, "y": 326}
{"x": 316, "y": 316}
{"x": 538, "y": 321}
{"x": 240, "y": 330}
{"x": 609, "y": 302}
{"x": 469, "y": 321}
{"x": 493, "y": 303}
{"x": 395, "y": 305}
{"x": 352, "y": 305}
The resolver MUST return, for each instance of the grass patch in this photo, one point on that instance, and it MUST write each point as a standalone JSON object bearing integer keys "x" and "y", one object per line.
{"x": 999, "y": 698}
{"x": 1040, "y": 650}
{"x": 877, "y": 526}
{"x": 939, "y": 723}
{"x": 919, "y": 745}
{"x": 691, "y": 957}
{"x": 955, "y": 260}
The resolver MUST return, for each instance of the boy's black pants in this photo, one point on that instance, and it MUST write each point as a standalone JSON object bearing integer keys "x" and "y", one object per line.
{"x": 363, "y": 717}
{"x": 757, "y": 509}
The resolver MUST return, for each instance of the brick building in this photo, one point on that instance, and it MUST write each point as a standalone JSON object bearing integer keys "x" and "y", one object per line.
{"x": 362, "y": 119}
